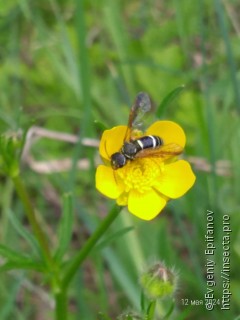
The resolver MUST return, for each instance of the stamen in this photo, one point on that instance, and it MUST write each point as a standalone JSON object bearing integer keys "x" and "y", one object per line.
{"x": 140, "y": 174}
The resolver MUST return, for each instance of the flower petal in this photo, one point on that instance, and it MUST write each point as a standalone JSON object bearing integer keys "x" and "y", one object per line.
{"x": 145, "y": 206}
{"x": 112, "y": 141}
{"x": 176, "y": 179}
{"x": 169, "y": 131}
{"x": 123, "y": 199}
{"x": 106, "y": 183}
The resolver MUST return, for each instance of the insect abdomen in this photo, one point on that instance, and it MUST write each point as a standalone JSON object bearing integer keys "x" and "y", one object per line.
{"x": 148, "y": 142}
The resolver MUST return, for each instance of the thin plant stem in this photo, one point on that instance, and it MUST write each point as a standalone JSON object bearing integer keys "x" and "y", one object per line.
{"x": 23, "y": 195}
{"x": 61, "y": 305}
{"x": 89, "y": 244}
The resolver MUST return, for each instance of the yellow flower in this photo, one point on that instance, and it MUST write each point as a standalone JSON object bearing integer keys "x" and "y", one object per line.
{"x": 144, "y": 184}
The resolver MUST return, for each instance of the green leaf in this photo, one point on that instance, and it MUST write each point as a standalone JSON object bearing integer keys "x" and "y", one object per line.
{"x": 142, "y": 301}
{"x": 65, "y": 227}
{"x": 16, "y": 260}
{"x": 24, "y": 265}
{"x": 168, "y": 99}
{"x": 112, "y": 237}
{"x": 11, "y": 254}
{"x": 151, "y": 310}
{"x": 8, "y": 304}
{"x": 100, "y": 125}
{"x": 25, "y": 234}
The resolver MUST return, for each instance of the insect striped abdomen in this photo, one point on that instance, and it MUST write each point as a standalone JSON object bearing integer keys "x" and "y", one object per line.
{"x": 148, "y": 142}
{"x": 131, "y": 149}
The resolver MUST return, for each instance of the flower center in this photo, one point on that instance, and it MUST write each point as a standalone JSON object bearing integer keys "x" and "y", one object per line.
{"x": 140, "y": 174}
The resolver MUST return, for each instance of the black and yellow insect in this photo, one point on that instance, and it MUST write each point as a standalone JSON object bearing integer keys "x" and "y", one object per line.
{"x": 145, "y": 146}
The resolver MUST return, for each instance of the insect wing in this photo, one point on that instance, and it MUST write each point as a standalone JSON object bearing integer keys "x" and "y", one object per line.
{"x": 164, "y": 152}
{"x": 142, "y": 104}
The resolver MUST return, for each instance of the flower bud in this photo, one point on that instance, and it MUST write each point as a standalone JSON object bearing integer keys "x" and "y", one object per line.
{"x": 158, "y": 281}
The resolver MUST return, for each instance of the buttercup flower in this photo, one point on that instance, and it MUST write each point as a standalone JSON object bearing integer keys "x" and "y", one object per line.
{"x": 146, "y": 184}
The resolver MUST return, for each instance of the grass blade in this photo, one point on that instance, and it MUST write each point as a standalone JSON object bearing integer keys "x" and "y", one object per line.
{"x": 65, "y": 227}
{"x": 168, "y": 99}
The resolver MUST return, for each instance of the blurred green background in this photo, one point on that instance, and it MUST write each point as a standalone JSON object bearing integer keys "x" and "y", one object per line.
{"x": 65, "y": 64}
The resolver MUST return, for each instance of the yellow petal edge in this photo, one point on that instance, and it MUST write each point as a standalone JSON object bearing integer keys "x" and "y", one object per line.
{"x": 106, "y": 183}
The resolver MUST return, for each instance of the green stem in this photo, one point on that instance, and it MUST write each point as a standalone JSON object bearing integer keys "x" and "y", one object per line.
{"x": 60, "y": 296}
{"x": 151, "y": 310}
{"x": 23, "y": 195}
{"x": 89, "y": 244}
{"x": 61, "y": 305}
